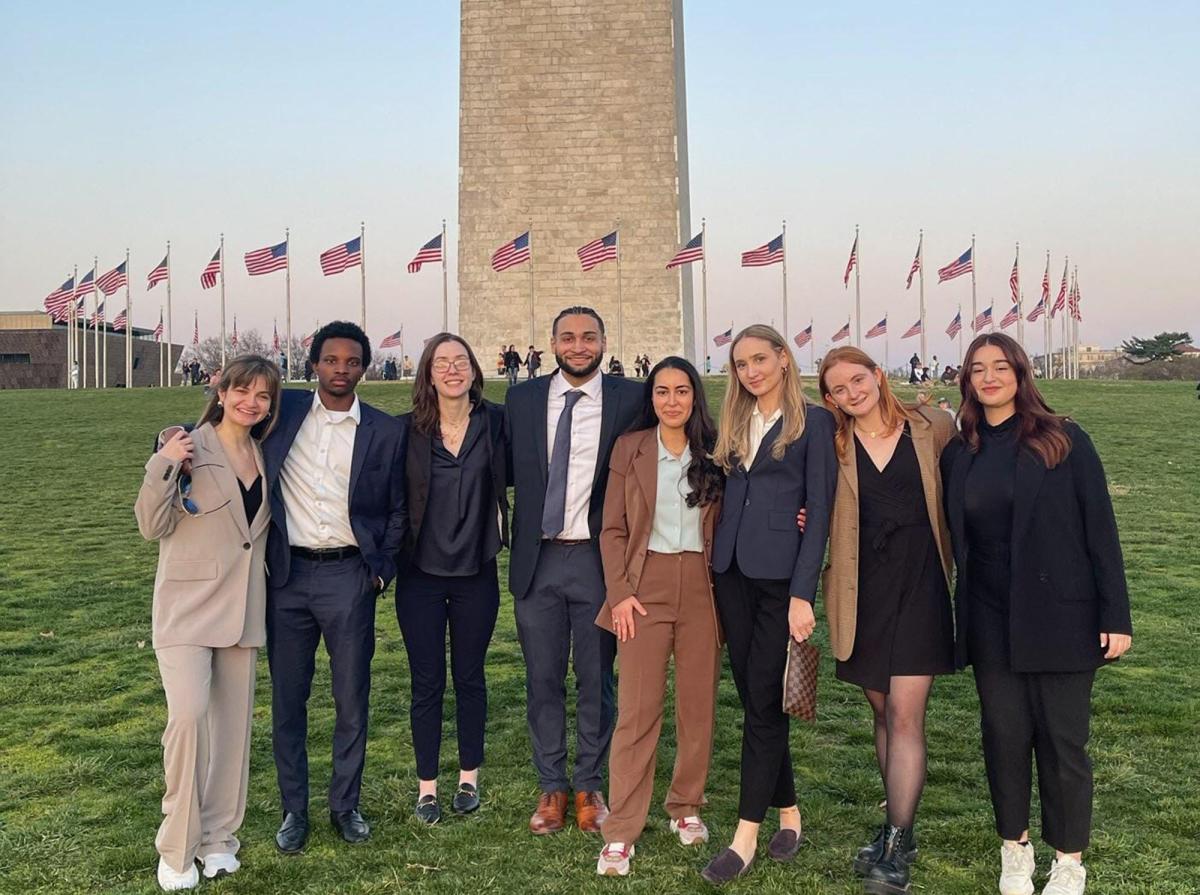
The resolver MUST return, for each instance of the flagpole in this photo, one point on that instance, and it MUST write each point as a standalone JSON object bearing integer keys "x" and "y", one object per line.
{"x": 620, "y": 302}
{"x": 72, "y": 348}
{"x": 96, "y": 325}
{"x": 974, "y": 308}
{"x": 83, "y": 340}
{"x": 887, "y": 347}
{"x": 164, "y": 373}
{"x": 128, "y": 327}
{"x": 703, "y": 293}
{"x": 1066, "y": 374}
{"x": 857, "y": 290}
{"x": 1071, "y": 305}
{"x": 102, "y": 320}
{"x": 287, "y": 297}
{"x": 921, "y": 273}
{"x": 960, "y": 328}
{"x": 1020, "y": 296}
{"x": 446, "y": 283}
{"x": 170, "y": 330}
{"x": 783, "y": 245}
{"x": 812, "y": 346}
{"x": 223, "y": 260}
{"x": 531, "y": 294}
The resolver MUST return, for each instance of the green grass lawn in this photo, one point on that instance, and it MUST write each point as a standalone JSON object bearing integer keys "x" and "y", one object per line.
{"x": 81, "y": 707}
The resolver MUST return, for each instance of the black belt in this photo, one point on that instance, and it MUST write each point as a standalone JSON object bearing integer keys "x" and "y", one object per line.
{"x": 569, "y": 542}
{"x": 326, "y": 554}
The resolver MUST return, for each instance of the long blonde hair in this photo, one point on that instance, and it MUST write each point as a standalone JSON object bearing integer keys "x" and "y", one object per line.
{"x": 893, "y": 412}
{"x": 733, "y": 432}
{"x": 242, "y": 372}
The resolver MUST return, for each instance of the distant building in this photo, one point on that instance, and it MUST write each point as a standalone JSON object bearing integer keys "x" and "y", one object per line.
{"x": 1093, "y": 356}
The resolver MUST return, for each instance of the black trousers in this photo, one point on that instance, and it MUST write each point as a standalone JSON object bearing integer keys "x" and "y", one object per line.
{"x": 1026, "y": 715}
{"x": 334, "y": 600}
{"x": 556, "y": 620}
{"x": 425, "y": 605}
{"x": 754, "y": 615}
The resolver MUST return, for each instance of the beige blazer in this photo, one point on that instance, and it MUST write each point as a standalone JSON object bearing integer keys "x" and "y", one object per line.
{"x": 629, "y": 517}
{"x": 931, "y": 431}
{"x": 211, "y": 585}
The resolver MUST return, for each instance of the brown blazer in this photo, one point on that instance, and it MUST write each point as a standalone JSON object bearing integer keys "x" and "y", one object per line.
{"x": 211, "y": 585}
{"x": 931, "y": 431}
{"x": 629, "y": 516}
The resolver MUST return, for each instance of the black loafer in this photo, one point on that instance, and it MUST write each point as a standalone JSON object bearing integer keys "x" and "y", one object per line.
{"x": 350, "y": 825}
{"x": 428, "y": 810}
{"x": 293, "y": 833}
{"x": 466, "y": 799}
{"x": 725, "y": 867}
{"x": 784, "y": 845}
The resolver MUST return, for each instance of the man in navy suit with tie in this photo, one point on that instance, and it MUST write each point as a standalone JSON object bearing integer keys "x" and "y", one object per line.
{"x": 562, "y": 428}
{"x": 335, "y": 481}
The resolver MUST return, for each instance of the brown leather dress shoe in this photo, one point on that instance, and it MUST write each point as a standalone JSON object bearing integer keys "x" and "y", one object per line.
{"x": 550, "y": 815}
{"x": 590, "y": 811}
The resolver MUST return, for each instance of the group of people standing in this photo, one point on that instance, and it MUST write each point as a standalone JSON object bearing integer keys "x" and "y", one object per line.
{"x": 642, "y": 531}
{"x": 509, "y": 363}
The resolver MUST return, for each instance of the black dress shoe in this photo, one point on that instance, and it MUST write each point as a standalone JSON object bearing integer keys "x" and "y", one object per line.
{"x": 466, "y": 799}
{"x": 890, "y": 875}
{"x": 428, "y": 810}
{"x": 293, "y": 833}
{"x": 350, "y": 825}
{"x": 869, "y": 855}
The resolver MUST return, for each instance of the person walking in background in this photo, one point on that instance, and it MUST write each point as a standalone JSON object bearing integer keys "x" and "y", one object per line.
{"x": 886, "y": 590}
{"x": 533, "y": 362}
{"x": 1041, "y": 602}
{"x": 778, "y": 454}
{"x": 664, "y": 493}
{"x": 455, "y": 448}
{"x": 512, "y": 364}
{"x": 562, "y": 428}
{"x": 202, "y": 500}
{"x": 335, "y": 477}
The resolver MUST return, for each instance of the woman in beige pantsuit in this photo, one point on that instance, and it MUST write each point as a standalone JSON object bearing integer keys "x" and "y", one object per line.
{"x": 203, "y": 500}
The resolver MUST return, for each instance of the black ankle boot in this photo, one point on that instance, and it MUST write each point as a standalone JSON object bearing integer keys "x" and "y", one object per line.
{"x": 869, "y": 855}
{"x": 890, "y": 874}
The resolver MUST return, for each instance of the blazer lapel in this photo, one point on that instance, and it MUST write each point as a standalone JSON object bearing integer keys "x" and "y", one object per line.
{"x": 645, "y": 470}
{"x": 282, "y": 438}
{"x": 1027, "y": 483}
{"x": 922, "y": 437}
{"x": 610, "y": 407}
{"x": 225, "y": 477}
{"x": 362, "y": 443}
{"x": 848, "y": 464}
{"x": 768, "y": 440}
{"x": 957, "y": 492}
{"x": 541, "y": 400}
{"x": 263, "y": 518}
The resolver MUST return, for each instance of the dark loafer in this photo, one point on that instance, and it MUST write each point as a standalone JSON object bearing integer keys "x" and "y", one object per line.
{"x": 465, "y": 800}
{"x": 784, "y": 845}
{"x": 350, "y": 825}
{"x": 428, "y": 810}
{"x": 293, "y": 833}
{"x": 725, "y": 867}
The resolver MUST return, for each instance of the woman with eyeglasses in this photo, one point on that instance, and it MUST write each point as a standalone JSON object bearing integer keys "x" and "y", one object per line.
{"x": 202, "y": 500}
{"x": 455, "y": 449}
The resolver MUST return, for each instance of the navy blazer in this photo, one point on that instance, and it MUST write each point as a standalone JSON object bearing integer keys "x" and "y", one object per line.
{"x": 1067, "y": 575}
{"x": 758, "y": 517}
{"x": 525, "y": 425}
{"x": 376, "y": 486}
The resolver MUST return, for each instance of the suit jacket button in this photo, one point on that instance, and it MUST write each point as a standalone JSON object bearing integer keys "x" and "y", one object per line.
{"x": 747, "y": 503}
{"x": 246, "y": 546}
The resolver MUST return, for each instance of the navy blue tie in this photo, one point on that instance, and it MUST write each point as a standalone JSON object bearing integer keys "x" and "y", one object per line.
{"x": 555, "y": 509}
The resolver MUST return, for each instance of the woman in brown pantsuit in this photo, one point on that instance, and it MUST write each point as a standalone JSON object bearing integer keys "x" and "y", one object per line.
{"x": 664, "y": 493}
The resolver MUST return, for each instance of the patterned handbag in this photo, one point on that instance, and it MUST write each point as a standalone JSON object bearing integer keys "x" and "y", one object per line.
{"x": 800, "y": 680}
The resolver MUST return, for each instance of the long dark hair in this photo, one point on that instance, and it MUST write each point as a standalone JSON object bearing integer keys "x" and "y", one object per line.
{"x": 1039, "y": 428}
{"x": 705, "y": 477}
{"x": 425, "y": 413}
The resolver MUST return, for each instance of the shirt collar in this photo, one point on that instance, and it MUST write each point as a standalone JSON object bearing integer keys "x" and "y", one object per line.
{"x": 767, "y": 421}
{"x": 663, "y": 454}
{"x": 559, "y": 385}
{"x": 336, "y": 416}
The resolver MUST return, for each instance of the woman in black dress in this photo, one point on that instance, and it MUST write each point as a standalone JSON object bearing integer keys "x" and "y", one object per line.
{"x": 1041, "y": 602}
{"x": 887, "y": 587}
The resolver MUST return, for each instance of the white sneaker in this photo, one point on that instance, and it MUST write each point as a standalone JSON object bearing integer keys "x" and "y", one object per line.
{"x": 1067, "y": 877}
{"x": 219, "y": 864}
{"x": 690, "y": 830}
{"x": 1016, "y": 869}
{"x": 614, "y": 859}
{"x": 170, "y": 880}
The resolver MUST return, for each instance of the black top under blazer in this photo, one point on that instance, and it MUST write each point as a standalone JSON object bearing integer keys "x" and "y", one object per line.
{"x": 1068, "y": 577}
{"x": 525, "y": 425}
{"x": 758, "y": 516}
{"x": 417, "y": 450}
{"x": 376, "y": 486}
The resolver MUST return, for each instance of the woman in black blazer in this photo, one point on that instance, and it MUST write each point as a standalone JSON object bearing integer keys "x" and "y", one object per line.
{"x": 1041, "y": 601}
{"x": 454, "y": 449}
{"x": 778, "y": 454}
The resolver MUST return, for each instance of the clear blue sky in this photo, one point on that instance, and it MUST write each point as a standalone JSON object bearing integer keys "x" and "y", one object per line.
{"x": 1071, "y": 127}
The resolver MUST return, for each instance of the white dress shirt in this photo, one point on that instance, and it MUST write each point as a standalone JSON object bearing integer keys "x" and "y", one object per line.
{"x": 676, "y": 526}
{"x": 585, "y": 449}
{"x": 316, "y": 478}
{"x": 759, "y": 427}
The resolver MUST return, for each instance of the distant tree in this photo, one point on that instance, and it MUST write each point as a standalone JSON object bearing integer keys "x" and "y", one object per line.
{"x": 1160, "y": 347}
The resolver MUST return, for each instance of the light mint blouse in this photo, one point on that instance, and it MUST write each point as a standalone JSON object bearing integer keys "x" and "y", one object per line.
{"x": 676, "y": 527}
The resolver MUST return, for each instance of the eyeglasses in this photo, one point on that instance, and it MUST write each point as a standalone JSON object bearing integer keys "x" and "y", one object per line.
{"x": 183, "y": 485}
{"x": 445, "y": 364}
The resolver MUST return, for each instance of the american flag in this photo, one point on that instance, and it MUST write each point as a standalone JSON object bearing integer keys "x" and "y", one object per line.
{"x": 723, "y": 338}
{"x": 598, "y": 251}
{"x": 803, "y": 337}
{"x": 208, "y": 278}
{"x": 956, "y": 268}
{"x": 118, "y": 325}
{"x": 511, "y": 253}
{"x": 843, "y": 333}
{"x": 340, "y": 257}
{"x": 87, "y": 286}
{"x": 984, "y": 319}
{"x": 878, "y": 329}
{"x": 427, "y": 254}
{"x": 308, "y": 340}
{"x": 97, "y": 316}
{"x": 58, "y": 302}
{"x": 275, "y": 340}
{"x": 1061, "y": 301}
{"x": 914, "y": 330}
{"x": 916, "y": 265}
{"x": 393, "y": 341}
{"x": 1074, "y": 302}
{"x": 1014, "y": 282}
{"x": 768, "y": 253}
{"x": 196, "y": 329}
{"x": 158, "y": 330}
{"x": 267, "y": 260}
{"x": 693, "y": 251}
{"x": 113, "y": 280}
{"x": 955, "y": 326}
{"x": 1038, "y": 310}
{"x": 1013, "y": 315}
{"x": 233, "y": 338}
{"x": 157, "y": 275}
{"x": 850, "y": 264}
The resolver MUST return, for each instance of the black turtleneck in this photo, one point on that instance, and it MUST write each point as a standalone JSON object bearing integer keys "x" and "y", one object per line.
{"x": 989, "y": 510}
